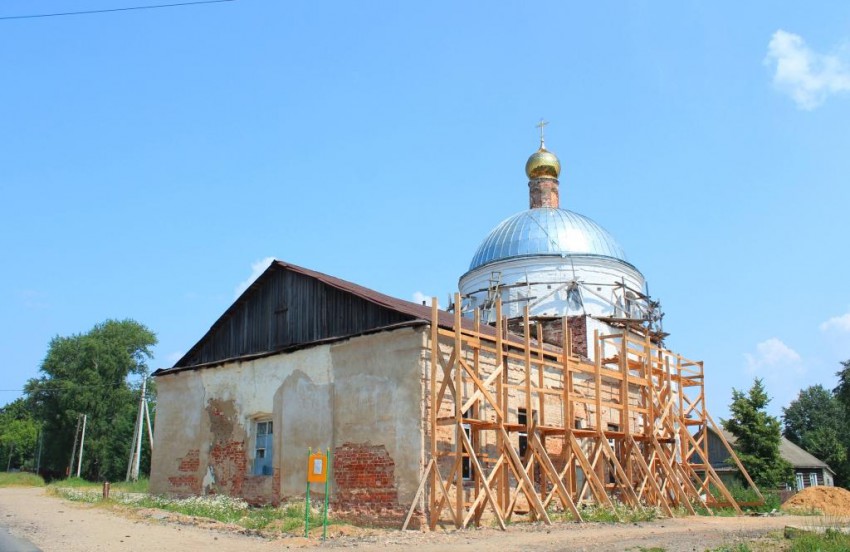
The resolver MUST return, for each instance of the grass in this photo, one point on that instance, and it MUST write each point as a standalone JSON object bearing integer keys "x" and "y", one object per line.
{"x": 140, "y": 486}
{"x": 20, "y": 479}
{"x": 738, "y": 547}
{"x": 744, "y": 495}
{"x": 288, "y": 518}
{"x": 831, "y": 541}
{"x": 811, "y": 511}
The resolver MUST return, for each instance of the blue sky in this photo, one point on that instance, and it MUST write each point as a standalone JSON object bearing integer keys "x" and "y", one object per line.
{"x": 150, "y": 159}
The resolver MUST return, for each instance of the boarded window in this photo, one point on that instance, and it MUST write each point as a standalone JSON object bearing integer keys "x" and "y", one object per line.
{"x": 263, "y": 447}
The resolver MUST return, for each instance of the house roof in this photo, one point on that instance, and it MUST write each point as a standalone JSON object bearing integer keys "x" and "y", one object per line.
{"x": 796, "y": 456}
{"x": 416, "y": 312}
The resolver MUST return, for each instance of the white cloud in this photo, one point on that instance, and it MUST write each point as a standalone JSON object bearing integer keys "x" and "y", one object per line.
{"x": 774, "y": 356}
{"x": 257, "y": 268}
{"x": 807, "y": 76}
{"x": 838, "y": 323}
{"x": 418, "y": 297}
{"x": 33, "y": 299}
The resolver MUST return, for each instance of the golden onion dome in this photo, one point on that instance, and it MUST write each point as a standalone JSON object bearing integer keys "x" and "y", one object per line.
{"x": 542, "y": 164}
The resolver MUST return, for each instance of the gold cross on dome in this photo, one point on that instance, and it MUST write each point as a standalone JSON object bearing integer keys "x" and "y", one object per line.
{"x": 541, "y": 125}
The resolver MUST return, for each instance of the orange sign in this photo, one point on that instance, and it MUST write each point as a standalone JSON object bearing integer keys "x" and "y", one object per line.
{"x": 317, "y": 468}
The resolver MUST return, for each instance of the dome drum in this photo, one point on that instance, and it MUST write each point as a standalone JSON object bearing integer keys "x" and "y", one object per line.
{"x": 544, "y": 282}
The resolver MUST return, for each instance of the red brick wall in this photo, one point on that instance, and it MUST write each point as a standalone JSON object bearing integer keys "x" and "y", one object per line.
{"x": 188, "y": 482}
{"x": 229, "y": 463}
{"x": 257, "y": 490}
{"x": 365, "y": 478}
{"x": 227, "y": 460}
{"x": 191, "y": 462}
{"x": 553, "y": 331}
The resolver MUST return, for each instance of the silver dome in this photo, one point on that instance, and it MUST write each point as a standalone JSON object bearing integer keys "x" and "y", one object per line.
{"x": 546, "y": 231}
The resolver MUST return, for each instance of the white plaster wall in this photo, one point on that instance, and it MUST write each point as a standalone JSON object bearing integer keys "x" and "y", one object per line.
{"x": 364, "y": 389}
{"x": 550, "y": 272}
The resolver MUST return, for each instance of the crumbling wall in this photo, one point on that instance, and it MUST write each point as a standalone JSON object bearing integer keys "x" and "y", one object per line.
{"x": 179, "y": 456}
{"x": 377, "y": 408}
{"x": 227, "y": 459}
{"x": 365, "y": 478}
{"x": 187, "y": 482}
{"x": 359, "y": 397}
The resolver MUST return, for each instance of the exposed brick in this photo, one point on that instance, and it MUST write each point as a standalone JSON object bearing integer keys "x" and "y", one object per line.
{"x": 365, "y": 481}
{"x": 543, "y": 192}
{"x": 191, "y": 462}
{"x": 553, "y": 331}
{"x": 185, "y": 484}
{"x": 229, "y": 463}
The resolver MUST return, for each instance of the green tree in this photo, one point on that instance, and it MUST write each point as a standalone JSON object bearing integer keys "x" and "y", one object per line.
{"x": 758, "y": 437}
{"x": 18, "y": 436}
{"x": 842, "y": 391}
{"x": 88, "y": 374}
{"x": 816, "y": 420}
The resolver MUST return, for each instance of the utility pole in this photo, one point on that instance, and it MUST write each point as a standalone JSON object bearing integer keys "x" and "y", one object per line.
{"x": 38, "y": 458}
{"x": 148, "y": 419}
{"x": 82, "y": 440}
{"x": 136, "y": 449}
{"x": 74, "y": 450}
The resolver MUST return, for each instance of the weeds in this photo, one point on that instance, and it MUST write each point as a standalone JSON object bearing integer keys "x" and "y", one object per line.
{"x": 288, "y": 518}
{"x": 620, "y": 513}
{"x": 739, "y": 547}
{"x": 140, "y": 486}
{"x": 20, "y": 479}
{"x": 811, "y": 511}
{"x": 831, "y": 541}
{"x": 744, "y": 495}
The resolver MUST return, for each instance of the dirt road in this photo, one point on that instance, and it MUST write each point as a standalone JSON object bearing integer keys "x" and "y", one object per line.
{"x": 56, "y": 525}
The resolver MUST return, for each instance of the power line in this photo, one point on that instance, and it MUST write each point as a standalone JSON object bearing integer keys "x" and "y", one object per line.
{"x": 110, "y": 10}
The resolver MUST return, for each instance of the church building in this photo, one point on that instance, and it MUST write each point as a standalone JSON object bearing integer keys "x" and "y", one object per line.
{"x": 544, "y": 385}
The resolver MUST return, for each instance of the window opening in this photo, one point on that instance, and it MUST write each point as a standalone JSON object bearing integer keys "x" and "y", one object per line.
{"x": 263, "y": 441}
{"x": 466, "y": 461}
{"x": 522, "y": 419}
{"x": 613, "y": 444}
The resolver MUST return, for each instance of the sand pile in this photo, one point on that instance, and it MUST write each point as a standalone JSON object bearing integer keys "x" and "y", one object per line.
{"x": 832, "y": 501}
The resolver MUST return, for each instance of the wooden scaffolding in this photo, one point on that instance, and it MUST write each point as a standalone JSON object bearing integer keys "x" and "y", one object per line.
{"x": 515, "y": 426}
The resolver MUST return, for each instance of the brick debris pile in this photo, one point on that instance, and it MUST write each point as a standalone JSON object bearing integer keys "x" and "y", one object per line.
{"x": 831, "y": 501}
